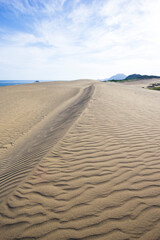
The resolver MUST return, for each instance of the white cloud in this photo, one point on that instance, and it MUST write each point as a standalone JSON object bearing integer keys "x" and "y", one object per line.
{"x": 81, "y": 14}
{"x": 82, "y": 39}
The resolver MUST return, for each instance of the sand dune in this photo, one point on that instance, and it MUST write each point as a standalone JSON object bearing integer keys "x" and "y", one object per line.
{"x": 89, "y": 170}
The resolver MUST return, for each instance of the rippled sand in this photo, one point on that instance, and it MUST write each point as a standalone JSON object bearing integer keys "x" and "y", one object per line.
{"x": 80, "y": 160}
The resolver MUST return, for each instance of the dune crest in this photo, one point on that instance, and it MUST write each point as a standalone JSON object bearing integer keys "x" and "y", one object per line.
{"x": 100, "y": 180}
{"x": 19, "y": 161}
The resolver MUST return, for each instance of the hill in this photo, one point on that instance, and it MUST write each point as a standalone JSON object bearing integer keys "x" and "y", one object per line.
{"x": 119, "y": 76}
{"x": 139, "y": 76}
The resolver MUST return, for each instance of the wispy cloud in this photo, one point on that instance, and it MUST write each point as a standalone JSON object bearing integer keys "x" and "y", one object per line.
{"x": 69, "y": 39}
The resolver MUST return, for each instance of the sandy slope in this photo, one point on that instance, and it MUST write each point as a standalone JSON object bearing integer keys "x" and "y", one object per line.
{"x": 99, "y": 180}
{"x": 24, "y": 106}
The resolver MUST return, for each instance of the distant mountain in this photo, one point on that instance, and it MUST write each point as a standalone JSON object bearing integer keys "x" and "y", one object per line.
{"x": 139, "y": 76}
{"x": 119, "y": 76}
{"x": 122, "y": 77}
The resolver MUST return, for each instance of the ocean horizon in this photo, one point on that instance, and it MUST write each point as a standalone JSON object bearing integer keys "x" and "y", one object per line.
{"x": 4, "y": 83}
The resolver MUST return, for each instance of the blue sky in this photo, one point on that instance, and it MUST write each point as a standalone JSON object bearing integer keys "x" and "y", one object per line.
{"x": 71, "y": 39}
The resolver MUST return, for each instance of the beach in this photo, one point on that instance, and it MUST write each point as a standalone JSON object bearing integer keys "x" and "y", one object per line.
{"x": 80, "y": 160}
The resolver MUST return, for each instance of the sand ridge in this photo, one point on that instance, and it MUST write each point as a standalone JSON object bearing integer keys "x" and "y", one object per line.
{"x": 29, "y": 150}
{"x": 100, "y": 180}
{"x": 24, "y": 106}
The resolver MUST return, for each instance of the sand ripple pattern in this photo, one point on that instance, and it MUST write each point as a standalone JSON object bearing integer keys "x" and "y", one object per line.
{"x": 101, "y": 180}
{"x": 19, "y": 162}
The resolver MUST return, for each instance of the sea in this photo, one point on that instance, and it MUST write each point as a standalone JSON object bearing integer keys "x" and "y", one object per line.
{"x": 4, "y": 83}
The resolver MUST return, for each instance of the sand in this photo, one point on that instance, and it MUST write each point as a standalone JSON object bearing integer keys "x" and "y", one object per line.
{"x": 80, "y": 160}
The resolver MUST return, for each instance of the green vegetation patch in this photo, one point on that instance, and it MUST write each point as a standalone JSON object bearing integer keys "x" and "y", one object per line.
{"x": 124, "y": 80}
{"x": 154, "y": 88}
